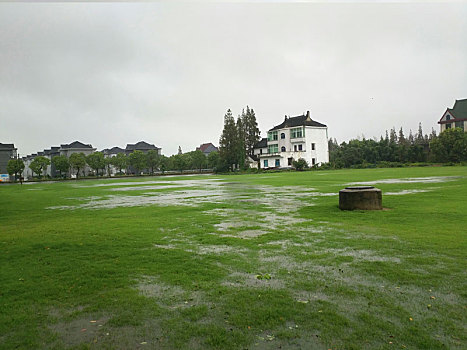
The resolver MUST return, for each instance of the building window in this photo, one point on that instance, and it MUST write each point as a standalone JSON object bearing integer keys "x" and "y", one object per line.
{"x": 289, "y": 161}
{"x": 448, "y": 126}
{"x": 265, "y": 163}
{"x": 295, "y": 148}
{"x": 282, "y": 149}
{"x": 297, "y": 132}
{"x": 273, "y": 149}
{"x": 312, "y": 146}
{"x": 278, "y": 162}
{"x": 313, "y": 161}
{"x": 282, "y": 135}
{"x": 448, "y": 117}
{"x": 300, "y": 147}
{"x": 272, "y": 136}
{"x": 460, "y": 125}
{"x": 260, "y": 151}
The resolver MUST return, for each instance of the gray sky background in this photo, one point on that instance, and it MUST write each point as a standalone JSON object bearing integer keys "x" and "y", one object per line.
{"x": 116, "y": 73}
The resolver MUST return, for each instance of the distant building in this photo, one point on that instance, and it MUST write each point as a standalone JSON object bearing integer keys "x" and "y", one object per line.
{"x": 296, "y": 137}
{"x": 7, "y": 152}
{"x": 64, "y": 150}
{"x": 110, "y": 153}
{"x": 207, "y": 148}
{"x": 455, "y": 117}
{"x": 141, "y": 146}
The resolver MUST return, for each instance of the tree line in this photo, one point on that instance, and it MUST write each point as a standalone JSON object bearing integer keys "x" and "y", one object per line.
{"x": 396, "y": 149}
{"x": 135, "y": 162}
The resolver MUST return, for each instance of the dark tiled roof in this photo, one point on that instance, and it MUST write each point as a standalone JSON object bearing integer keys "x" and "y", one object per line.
{"x": 459, "y": 111}
{"x": 76, "y": 144}
{"x": 7, "y": 146}
{"x": 261, "y": 144}
{"x": 114, "y": 150}
{"x": 140, "y": 146}
{"x": 205, "y": 146}
{"x": 301, "y": 120}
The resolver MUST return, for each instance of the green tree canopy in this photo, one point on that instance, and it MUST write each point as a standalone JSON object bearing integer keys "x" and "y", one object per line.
{"x": 450, "y": 146}
{"x": 213, "y": 160}
{"x": 96, "y": 161}
{"x": 61, "y": 163}
{"x": 77, "y": 161}
{"x": 120, "y": 161}
{"x": 153, "y": 159}
{"x": 198, "y": 160}
{"x": 39, "y": 164}
{"x": 15, "y": 167}
{"x": 137, "y": 160}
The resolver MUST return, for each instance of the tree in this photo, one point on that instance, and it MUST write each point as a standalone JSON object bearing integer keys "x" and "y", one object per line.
{"x": 450, "y": 146}
{"x": 61, "y": 163}
{"x": 228, "y": 148}
{"x": 39, "y": 164}
{"x": 77, "y": 161}
{"x": 108, "y": 164}
{"x": 213, "y": 160}
{"x": 137, "y": 160}
{"x": 152, "y": 160}
{"x": 164, "y": 163}
{"x": 15, "y": 167}
{"x": 120, "y": 161}
{"x": 241, "y": 141}
{"x": 179, "y": 162}
{"x": 251, "y": 130}
{"x": 300, "y": 164}
{"x": 96, "y": 161}
{"x": 198, "y": 160}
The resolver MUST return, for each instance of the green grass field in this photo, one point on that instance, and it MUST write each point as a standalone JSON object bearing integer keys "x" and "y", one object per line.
{"x": 262, "y": 261}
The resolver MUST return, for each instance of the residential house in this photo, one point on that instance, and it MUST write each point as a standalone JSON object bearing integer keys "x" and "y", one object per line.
{"x": 295, "y": 138}
{"x": 455, "y": 117}
{"x": 207, "y": 148}
{"x": 143, "y": 147}
{"x": 110, "y": 153}
{"x": 64, "y": 150}
{"x": 7, "y": 152}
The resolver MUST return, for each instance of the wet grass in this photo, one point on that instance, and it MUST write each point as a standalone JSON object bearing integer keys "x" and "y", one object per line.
{"x": 235, "y": 262}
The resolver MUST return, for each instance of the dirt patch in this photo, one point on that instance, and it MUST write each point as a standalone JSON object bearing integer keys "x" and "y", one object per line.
{"x": 248, "y": 280}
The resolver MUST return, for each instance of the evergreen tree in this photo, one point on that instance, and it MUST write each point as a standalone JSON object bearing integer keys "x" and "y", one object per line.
{"x": 393, "y": 136}
{"x": 228, "y": 148}
{"x": 252, "y": 133}
{"x": 241, "y": 140}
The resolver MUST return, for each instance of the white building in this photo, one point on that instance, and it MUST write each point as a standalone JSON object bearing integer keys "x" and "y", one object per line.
{"x": 295, "y": 138}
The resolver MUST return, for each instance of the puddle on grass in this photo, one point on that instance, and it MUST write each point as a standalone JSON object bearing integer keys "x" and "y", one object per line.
{"x": 430, "y": 179}
{"x": 403, "y": 192}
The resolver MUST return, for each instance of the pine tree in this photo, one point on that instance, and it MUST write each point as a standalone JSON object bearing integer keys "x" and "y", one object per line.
{"x": 228, "y": 145}
{"x": 393, "y": 136}
{"x": 252, "y": 133}
{"x": 241, "y": 136}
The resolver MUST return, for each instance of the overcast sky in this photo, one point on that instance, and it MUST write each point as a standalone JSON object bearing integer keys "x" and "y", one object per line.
{"x": 116, "y": 73}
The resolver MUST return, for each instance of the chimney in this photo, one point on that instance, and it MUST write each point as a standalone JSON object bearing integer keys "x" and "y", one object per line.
{"x": 308, "y": 115}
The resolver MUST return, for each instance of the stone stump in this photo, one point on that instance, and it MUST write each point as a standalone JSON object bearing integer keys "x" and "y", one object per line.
{"x": 360, "y": 198}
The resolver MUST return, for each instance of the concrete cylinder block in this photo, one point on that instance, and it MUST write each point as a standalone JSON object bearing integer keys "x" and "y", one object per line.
{"x": 361, "y": 198}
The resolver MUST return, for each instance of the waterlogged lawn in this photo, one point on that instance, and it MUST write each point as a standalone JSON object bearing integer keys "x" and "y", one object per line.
{"x": 261, "y": 261}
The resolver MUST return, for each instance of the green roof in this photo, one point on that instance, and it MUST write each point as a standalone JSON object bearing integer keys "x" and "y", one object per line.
{"x": 459, "y": 111}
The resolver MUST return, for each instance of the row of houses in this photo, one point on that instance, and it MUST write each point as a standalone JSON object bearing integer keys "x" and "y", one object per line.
{"x": 79, "y": 147}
